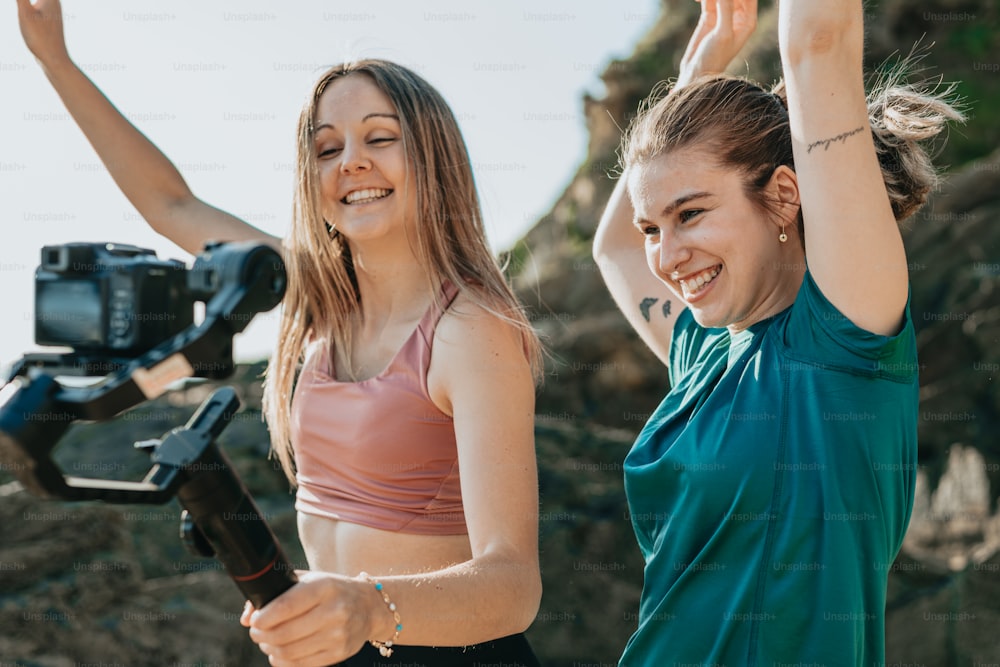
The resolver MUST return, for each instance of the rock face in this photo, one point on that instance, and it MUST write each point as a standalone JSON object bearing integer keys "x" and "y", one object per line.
{"x": 91, "y": 583}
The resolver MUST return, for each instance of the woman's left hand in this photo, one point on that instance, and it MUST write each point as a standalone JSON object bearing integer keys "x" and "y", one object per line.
{"x": 722, "y": 31}
{"x": 322, "y": 620}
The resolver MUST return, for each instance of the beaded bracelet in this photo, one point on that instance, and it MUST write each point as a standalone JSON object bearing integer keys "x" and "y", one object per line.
{"x": 384, "y": 648}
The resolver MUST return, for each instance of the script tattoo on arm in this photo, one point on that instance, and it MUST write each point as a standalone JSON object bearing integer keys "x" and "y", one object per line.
{"x": 646, "y": 304}
{"x": 842, "y": 138}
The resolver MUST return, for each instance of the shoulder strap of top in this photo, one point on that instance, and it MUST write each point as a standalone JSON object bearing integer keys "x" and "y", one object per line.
{"x": 423, "y": 342}
{"x": 430, "y": 319}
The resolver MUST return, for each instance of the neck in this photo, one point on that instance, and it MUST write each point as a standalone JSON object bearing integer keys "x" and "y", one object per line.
{"x": 789, "y": 273}
{"x": 392, "y": 282}
{"x": 764, "y": 312}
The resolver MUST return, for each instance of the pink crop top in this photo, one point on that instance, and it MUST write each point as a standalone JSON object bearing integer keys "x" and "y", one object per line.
{"x": 378, "y": 452}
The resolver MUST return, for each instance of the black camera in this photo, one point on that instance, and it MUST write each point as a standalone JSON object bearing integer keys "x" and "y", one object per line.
{"x": 109, "y": 298}
{"x": 102, "y": 297}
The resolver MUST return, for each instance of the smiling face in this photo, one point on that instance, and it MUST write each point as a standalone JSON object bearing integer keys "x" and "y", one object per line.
{"x": 366, "y": 185}
{"x": 709, "y": 244}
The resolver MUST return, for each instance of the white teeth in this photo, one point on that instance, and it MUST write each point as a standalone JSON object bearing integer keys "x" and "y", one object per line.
{"x": 364, "y": 196}
{"x": 693, "y": 285}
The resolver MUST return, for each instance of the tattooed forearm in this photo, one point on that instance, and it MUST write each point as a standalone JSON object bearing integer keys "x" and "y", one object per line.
{"x": 646, "y": 304}
{"x": 842, "y": 138}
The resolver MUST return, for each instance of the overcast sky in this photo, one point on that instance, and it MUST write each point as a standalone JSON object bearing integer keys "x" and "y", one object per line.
{"x": 218, "y": 85}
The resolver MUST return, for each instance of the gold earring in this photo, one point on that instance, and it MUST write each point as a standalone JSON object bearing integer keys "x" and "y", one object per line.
{"x": 782, "y": 236}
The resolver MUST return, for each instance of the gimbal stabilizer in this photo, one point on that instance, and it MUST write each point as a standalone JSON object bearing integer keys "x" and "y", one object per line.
{"x": 220, "y": 518}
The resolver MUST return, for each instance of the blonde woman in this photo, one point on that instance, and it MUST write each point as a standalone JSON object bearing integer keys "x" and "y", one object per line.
{"x": 401, "y": 394}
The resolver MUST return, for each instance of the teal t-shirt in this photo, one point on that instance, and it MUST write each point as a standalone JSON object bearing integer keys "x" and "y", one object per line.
{"x": 771, "y": 489}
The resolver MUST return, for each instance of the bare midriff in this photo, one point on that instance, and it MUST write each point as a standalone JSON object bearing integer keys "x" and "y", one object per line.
{"x": 348, "y": 548}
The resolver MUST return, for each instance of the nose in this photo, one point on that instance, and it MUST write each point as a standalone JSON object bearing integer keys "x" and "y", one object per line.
{"x": 354, "y": 158}
{"x": 673, "y": 254}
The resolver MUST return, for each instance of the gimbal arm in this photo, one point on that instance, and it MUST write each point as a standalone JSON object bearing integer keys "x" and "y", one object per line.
{"x": 242, "y": 279}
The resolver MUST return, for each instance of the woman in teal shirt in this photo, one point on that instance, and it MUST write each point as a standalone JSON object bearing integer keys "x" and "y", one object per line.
{"x": 771, "y": 489}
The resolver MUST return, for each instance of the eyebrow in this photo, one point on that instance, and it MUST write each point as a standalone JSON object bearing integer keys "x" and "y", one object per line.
{"x": 671, "y": 207}
{"x": 374, "y": 114}
{"x": 683, "y": 199}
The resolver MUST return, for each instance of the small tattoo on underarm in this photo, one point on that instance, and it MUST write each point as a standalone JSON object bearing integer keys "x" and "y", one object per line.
{"x": 666, "y": 308}
{"x": 842, "y": 138}
{"x": 646, "y": 304}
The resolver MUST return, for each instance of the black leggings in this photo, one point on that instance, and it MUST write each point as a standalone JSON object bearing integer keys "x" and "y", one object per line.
{"x": 512, "y": 651}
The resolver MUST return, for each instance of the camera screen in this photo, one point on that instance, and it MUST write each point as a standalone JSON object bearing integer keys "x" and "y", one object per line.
{"x": 68, "y": 312}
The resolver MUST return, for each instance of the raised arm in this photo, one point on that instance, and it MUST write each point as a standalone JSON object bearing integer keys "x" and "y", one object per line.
{"x": 723, "y": 29}
{"x": 853, "y": 245}
{"x": 644, "y": 300}
{"x": 143, "y": 173}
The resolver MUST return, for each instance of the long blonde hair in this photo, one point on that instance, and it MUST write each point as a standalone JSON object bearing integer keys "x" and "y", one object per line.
{"x": 322, "y": 295}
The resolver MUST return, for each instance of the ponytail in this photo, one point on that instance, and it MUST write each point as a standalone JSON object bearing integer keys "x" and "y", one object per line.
{"x": 903, "y": 116}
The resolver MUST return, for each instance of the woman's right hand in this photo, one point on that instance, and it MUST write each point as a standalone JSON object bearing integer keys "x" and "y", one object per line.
{"x": 722, "y": 31}
{"x": 42, "y": 28}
